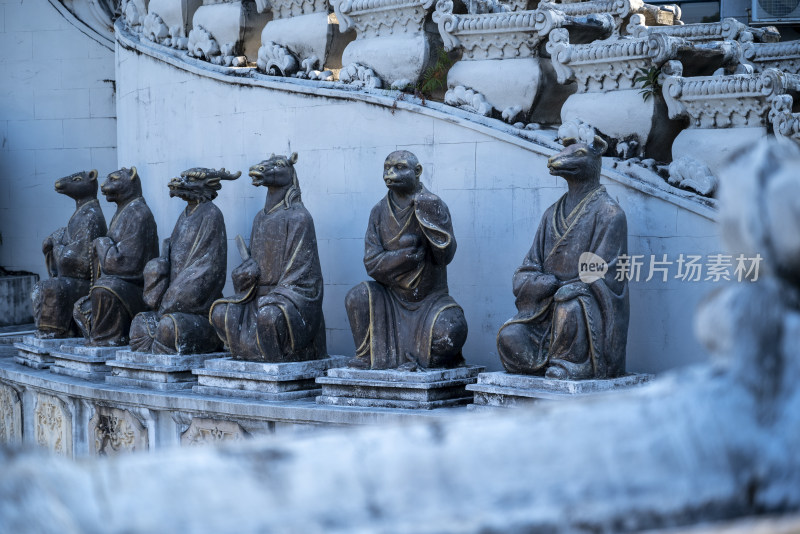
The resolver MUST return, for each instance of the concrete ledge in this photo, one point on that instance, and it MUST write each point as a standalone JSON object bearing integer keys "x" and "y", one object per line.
{"x": 425, "y": 389}
{"x": 501, "y": 389}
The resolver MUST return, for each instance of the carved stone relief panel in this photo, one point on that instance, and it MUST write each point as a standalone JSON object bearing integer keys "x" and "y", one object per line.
{"x": 204, "y": 431}
{"x": 114, "y": 431}
{"x": 52, "y": 424}
{"x": 10, "y": 415}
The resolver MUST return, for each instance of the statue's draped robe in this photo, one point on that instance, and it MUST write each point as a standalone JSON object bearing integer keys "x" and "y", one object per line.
{"x": 289, "y": 284}
{"x": 587, "y": 335}
{"x": 404, "y": 304}
{"x": 182, "y": 297}
{"x": 116, "y": 296}
{"x": 70, "y": 266}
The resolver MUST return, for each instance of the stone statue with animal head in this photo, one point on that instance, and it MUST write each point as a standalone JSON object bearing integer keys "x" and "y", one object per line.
{"x": 572, "y": 320}
{"x": 405, "y": 317}
{"x": 276, "y": 314}
{"x": 104, "y": 316}
{"x": 68, "y": 256}
{"x": 182, "y": 283}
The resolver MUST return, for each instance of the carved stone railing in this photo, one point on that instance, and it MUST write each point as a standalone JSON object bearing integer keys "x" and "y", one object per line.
{"x": 168, "y": 22}
{"x": 727, "y": 113}
{"x": 301, "y": 40}
{"x": 728, "y": 29}
{"x": 615, "y": 64}
{"x": 393, "y": 45}
{"x": 784, "y": 56}
{"x": 97, "y": 15}
{"x": 608, "y": 95}
{"x": 785, "y": 123}
{"x": 733, "y": 101}
{"x": 226, "y": 32}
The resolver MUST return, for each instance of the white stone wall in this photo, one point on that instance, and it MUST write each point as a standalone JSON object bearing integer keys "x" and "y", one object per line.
{"x": 173, "y": 117}
{"x": 57, "y": 116}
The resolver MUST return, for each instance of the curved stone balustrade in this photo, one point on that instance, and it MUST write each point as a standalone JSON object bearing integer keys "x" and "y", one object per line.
{"x": 738, "y": 100}
{"x": 727, "y": 113}
{"x": 785, "y": 123}
{"x": 74, "y": 417}
{"x": 784, "y": 56}
{"x": 393, "y": 46}
{"x": 727, "y": 29}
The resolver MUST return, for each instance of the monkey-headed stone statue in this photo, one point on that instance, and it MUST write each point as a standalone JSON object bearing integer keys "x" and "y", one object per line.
{"x": 68, "y": 255}
{"x": 406, "y": 318}
{"x": 276, "y": 314}
{"x": 572, "y": 321}
{"x": 104, "y": 316}
{"x": 182, "y": 283}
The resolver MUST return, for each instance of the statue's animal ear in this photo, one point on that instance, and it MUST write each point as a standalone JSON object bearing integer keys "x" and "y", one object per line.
{"x": 418, "y": 170}
{"x": 599, "y": 145}
{"x": 293, "y": 158}
{"x": 134, "y": 173}
{"x": 93, "y": 175}
{"x": 568, "y": 141}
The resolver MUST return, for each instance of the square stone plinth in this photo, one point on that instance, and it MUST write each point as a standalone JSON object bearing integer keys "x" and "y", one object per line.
{"x": 501, "y": 389}
{"x": 420, "y": 390}
{"x": 83, "y": 361}
{"x": 35, "y": 352}
{"x": 260, "y": 380}
{"x": 162, "y": 372}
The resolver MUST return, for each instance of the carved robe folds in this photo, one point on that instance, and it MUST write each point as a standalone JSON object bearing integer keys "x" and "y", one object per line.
{"x": 582, "y": 327}
{"x": 182, "y": 287}
{"x": 116, "y": 296}
{"x": 70, "y": 265}
{"x": 407, "y": 314}
{"x": 276, "y": 315}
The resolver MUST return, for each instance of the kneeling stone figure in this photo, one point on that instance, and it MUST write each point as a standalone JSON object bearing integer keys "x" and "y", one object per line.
{"x": 188, "y": 277}
{"x": 572, "y": 324}
{"x": 104, "y": 316}
{"x": 406, "y": 318}
{"x": 276, "y": 314}
{"x": 68, "y": 255}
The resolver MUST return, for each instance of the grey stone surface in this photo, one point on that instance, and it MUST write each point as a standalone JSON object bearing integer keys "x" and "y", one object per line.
{"x": 35, "y": 352}
{"x": 15, "y": 307}
{"x": 82, "y": 361}
{"x": 162, "y": 372}
{"x": 423, "y": 389}
{"x": 262, "y": 380}
{"x": 507, "y": 389}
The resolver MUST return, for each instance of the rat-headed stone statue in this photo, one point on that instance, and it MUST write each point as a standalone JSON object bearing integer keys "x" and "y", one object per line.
{"x": 68, "y": 255}
{"x": 572, "y": 324}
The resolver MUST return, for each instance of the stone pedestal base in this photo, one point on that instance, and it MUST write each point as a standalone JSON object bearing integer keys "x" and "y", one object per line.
{"x": 162, "y": 372}
{"x": 259, "y": 380}
{"x": 426, "y": 389}
{"x": 501, "y": 389}
{"x": 35, "y": 352}
{"x": 81, "y": 361}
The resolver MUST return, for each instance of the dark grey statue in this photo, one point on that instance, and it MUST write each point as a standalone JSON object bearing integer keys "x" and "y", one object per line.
{"x": 182, "y": 283}
{"x": 573, "y": 318}
{"x": 68, "y": 256}
{"x": 276, "y": 314}
{"x": 406, "y": 318}
{"x": 104, "y": 316}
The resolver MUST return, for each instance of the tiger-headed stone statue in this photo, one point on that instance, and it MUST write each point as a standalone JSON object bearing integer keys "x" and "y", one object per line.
{"x": 104, "y": 316}
{"x": 276, "y": 314}
{"x": 68, "y": 256}
{"x": 572, "y": 320}
{"x": 181, "y": 284}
